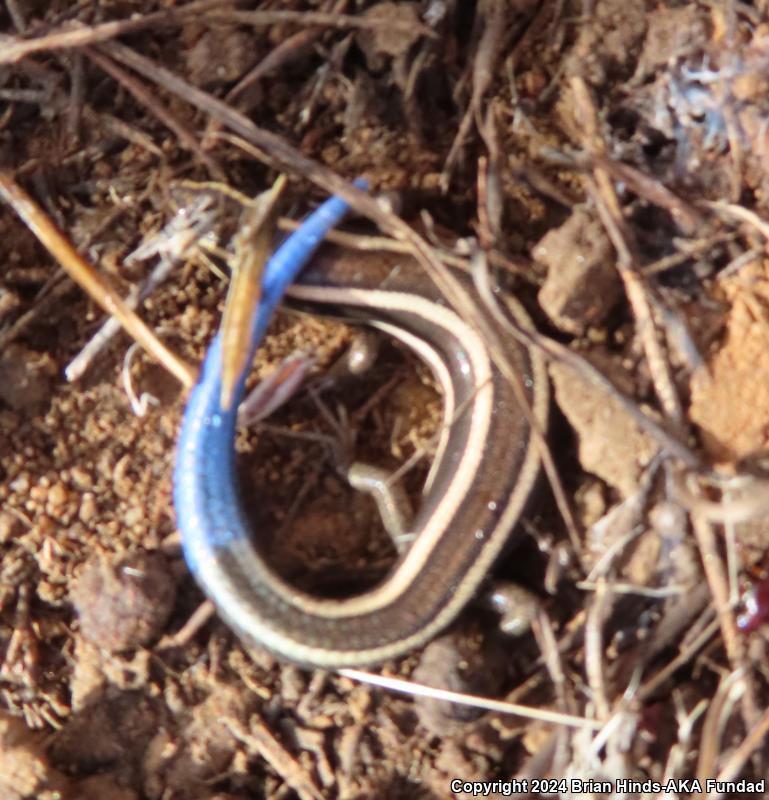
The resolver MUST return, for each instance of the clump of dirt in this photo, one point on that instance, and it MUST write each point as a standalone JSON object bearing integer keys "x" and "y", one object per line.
{"x": 607, "y": 163}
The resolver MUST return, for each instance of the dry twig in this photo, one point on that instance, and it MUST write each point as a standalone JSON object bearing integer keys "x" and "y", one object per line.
{"x": 602, "y": 190}
{"x": 91, "y": 281}
{"x": 733, "y": 642}
{"x": 260, "y": 740}
{"x": 13, "y": 49}
{"x": 144, "y": 96}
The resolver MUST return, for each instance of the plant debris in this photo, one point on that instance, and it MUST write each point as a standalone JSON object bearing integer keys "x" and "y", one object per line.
{"x": 608, "y": 161}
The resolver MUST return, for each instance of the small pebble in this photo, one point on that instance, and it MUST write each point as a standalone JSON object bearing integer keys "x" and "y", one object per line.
{"x": 124, "y": 602}
{"x": 463, "y": 662}
{"x": 58, "y": 495}
{"x": 88, "y": 508}
{"x": 10, "y": 526}
{"x": 25, "y": 378}
{"x": 82, "y": 478}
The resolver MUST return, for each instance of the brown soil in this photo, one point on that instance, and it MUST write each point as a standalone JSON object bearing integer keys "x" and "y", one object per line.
{"x": 611, "y": 160}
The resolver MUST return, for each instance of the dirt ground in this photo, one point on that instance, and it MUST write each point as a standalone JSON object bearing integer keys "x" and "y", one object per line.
{"x": 611, "y": 161}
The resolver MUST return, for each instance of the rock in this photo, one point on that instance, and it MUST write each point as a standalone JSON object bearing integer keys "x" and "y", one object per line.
{"x": 582, "y": 285}
{"x": 611, "y": 445}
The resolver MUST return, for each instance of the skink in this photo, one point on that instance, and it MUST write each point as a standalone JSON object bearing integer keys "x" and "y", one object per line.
{"x": 485, "y": 467}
